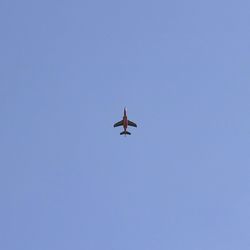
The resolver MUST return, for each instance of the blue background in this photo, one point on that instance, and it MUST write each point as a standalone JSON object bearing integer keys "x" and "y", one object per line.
{"x": 68, "y": 180}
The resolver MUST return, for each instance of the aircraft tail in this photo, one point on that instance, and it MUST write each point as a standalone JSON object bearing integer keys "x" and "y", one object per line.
{"x": 125, "y": 133}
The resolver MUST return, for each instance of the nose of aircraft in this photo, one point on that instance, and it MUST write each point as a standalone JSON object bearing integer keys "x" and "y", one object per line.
{"x": 125, "y": 111}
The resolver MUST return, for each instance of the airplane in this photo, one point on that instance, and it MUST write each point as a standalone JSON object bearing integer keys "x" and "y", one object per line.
{"x": 125, "y": 123}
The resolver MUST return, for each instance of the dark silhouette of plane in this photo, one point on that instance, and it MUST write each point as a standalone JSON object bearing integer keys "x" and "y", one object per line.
{"x": 125, "y": 123}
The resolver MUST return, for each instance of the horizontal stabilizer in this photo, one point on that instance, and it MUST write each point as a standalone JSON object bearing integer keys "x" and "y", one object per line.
{"x": 125, "y": 133}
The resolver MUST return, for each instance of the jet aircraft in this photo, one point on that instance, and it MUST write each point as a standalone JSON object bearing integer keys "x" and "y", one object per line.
{"x": 125, "y": 123}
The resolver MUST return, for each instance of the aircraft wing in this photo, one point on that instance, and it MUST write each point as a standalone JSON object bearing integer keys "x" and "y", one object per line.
{"x": 120, "y": 123}
{"x": 131, "y": 124}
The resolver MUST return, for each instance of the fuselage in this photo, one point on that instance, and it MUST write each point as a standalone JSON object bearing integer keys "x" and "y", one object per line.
{"x": 125, "y": 120}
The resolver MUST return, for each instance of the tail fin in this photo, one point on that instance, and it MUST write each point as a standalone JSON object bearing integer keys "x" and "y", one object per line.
{"x": 125, "y": 133}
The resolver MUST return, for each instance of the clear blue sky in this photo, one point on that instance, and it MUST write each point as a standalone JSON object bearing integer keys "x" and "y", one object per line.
{"x": 68, "y": 180}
